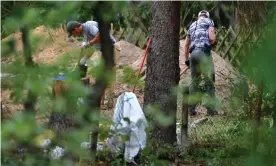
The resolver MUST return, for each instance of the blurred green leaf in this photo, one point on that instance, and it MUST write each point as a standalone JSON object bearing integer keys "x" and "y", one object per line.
{"x": 159, "y": 117}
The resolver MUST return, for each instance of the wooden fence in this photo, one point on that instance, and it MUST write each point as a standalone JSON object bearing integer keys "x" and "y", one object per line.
{"x": 231, "y": 45}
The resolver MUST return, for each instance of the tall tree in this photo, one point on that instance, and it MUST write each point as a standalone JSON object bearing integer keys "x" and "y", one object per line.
{"x": 251, "y": 15}
{"x": 163, "y": 72}
{"x": 97, "y": 91}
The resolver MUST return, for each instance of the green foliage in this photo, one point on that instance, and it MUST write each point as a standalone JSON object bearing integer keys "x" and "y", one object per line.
{"x": 79, "y": 38}
{"x": 232, "y": 133}
{"x": 139, "y": 13}
{"x": 38, "y": 13}
{"x": 158, "y": 117}
{"x": 130, "y": 77}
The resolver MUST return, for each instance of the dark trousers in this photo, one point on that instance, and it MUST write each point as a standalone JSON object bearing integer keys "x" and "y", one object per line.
{"x": 201, "y": 64}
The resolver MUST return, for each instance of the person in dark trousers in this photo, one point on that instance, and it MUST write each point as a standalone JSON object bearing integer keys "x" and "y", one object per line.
{"x": 91, "y": 33}
{"x": 199, "y": 40}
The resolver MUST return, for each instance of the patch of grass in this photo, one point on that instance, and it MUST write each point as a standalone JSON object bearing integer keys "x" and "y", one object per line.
{"x": 79, "y": 38}
{"x": 130, "y": 77}
{"x": 215, "y": 156}
{"x": 219, "y": 141}
{"x": 220, "y": 130}
{"x": 68, "y": 59}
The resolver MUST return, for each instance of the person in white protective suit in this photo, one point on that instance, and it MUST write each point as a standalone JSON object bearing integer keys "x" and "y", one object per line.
{"x": 128, "y": 119}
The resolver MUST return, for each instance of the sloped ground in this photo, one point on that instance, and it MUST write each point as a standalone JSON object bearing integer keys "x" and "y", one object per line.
{"x": 51, "y": 45}
{"x": 225, "y": 77}
{"x": 55, "y": 44}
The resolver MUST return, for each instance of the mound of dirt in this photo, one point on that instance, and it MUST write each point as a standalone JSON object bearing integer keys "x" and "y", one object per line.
{"x": 52, "y": 43}
{"x": 129, "y": 54}
{"x": 7, "y": 107}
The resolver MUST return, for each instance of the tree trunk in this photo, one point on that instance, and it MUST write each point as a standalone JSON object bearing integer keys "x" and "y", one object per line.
{"x": 95, "y": 95}
{"x": 247, "y": 17}
{"x": 163, "y": 72}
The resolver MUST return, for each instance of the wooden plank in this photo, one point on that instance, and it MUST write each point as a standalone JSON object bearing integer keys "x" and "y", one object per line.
{"x": 239, "y": 49}
{"x": 122, "y": 34}
{"x": 137, "y": 41}
{"x": 142, "y": 40}
{"x": 183, "y": 33}
{"x": 130, "y": 35}
{"x": 221, "y": 34}
{"x": 223, "y": 40}
{"x": 181, "y": 30}
{"x": 230, "y": 46}
{"x": 184, "y": 70}
{"x": 146, "y": 42}
{"x": 184, "y": 118}
{"x": 231, "y": 52}
{"x": 217, "y": 31}
{"x": 143, "y": 72}
{"x": 186, "y": 31}
{"x": 143, "y": 78}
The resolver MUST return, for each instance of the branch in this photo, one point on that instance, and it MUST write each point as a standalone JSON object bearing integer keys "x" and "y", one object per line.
{"x": 29, "y": 104}
{"x": 26, "y": 46}
{"x": 5, "y": 8}
{"x": 214, "y": 7}
{"x": 94, "y": 97}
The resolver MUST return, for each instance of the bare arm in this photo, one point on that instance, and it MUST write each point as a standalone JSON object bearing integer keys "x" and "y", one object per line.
{"x": 212, "y": 35}
{"x": 95, "y": 40}
{"x": 186, "y": 47}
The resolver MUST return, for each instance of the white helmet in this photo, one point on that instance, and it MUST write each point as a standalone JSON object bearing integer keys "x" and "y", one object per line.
{"x": 204, "y": 12}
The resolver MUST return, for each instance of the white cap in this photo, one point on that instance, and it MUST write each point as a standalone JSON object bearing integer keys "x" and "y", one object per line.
{"x": 204, "y": 12}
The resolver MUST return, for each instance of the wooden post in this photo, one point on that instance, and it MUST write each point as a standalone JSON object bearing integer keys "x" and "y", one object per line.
{"x": 137, "y": 41}
{"x": 129, "y": 36}
{"x": 223, "y": 40}
{"x": 222, "y": 32}
{"x": 181, "y": 32}
{"x": 184, "y": 118}
{"x": 253, "y": 45}
{"x": 145, "y": 45}
{"x": 122, "y": 34}
{"x": 230, "y": 46}
{"x": 183, "y": 35}
{"x": 239, "y": 49}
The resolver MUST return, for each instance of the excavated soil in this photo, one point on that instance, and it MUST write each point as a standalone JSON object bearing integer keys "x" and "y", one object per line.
{"x": 54, "y": 43}
{"x": 51, "y": 44}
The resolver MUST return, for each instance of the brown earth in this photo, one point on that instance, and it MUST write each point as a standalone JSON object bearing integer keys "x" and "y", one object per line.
{"x": 54, "y": 44}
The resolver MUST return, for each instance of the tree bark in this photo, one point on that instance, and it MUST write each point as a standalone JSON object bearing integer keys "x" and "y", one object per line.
{"x": 163, "y": 72}
{"x": 95, "y": 95}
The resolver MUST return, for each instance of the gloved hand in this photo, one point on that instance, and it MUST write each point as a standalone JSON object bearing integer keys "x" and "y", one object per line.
{"x": 187, "y": 63}
{"x": 84, "y": 45}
